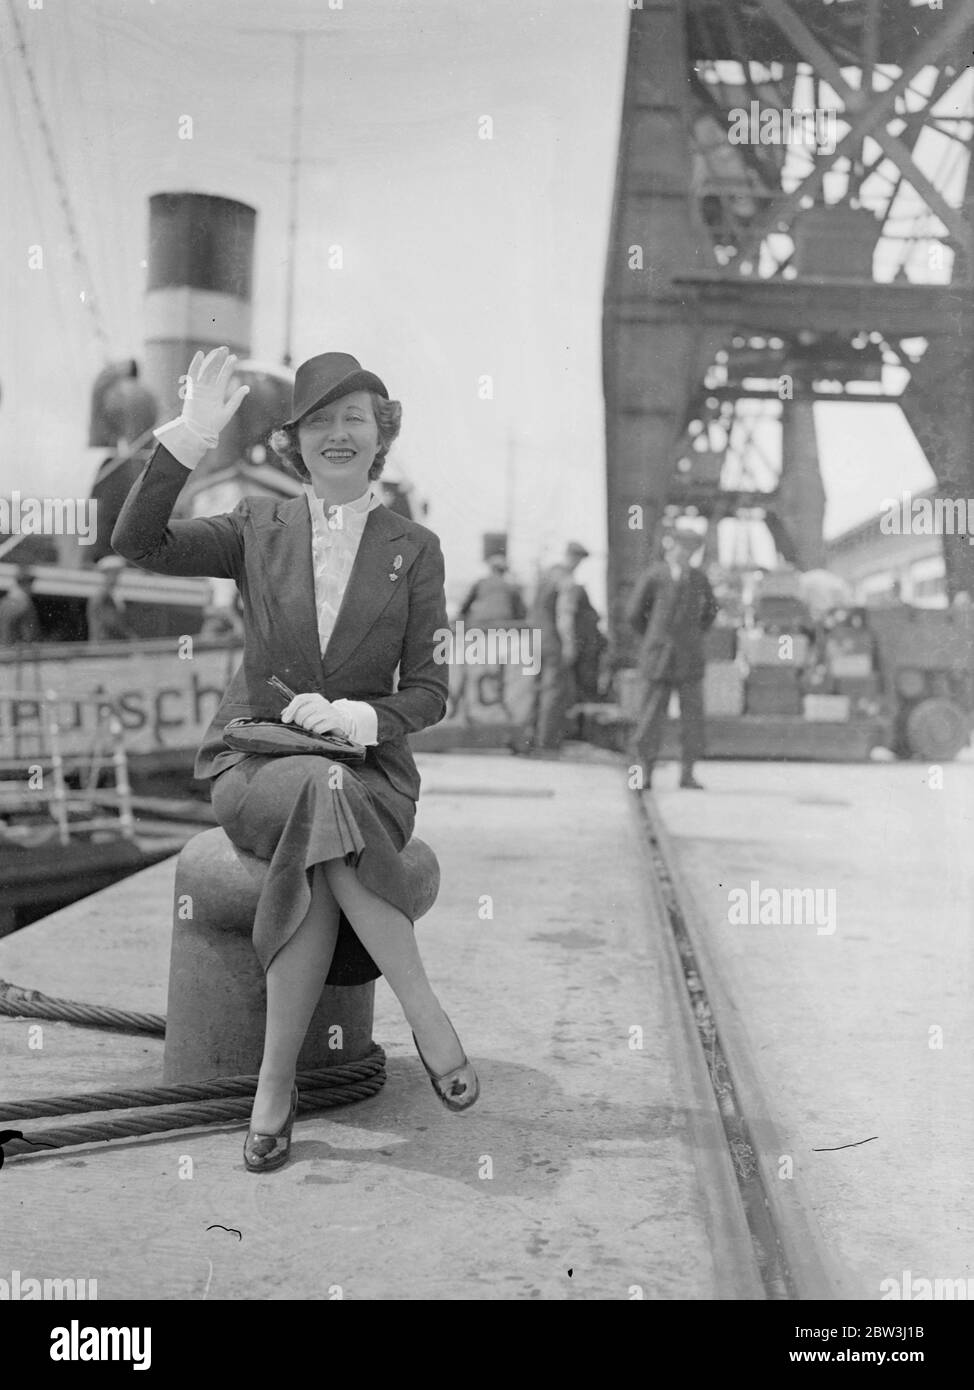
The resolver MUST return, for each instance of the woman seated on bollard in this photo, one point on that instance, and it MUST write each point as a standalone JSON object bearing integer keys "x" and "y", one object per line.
{"x": 337, "y": 592}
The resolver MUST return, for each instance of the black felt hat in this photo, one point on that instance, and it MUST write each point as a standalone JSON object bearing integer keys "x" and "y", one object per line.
{"x": 327, "y": 377}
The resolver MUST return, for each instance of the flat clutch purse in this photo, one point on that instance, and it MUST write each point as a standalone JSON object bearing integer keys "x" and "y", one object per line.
{"x": 272, "y": 737}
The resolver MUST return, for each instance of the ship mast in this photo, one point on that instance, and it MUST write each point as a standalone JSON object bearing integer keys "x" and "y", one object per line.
{"x": 293, "y": 186}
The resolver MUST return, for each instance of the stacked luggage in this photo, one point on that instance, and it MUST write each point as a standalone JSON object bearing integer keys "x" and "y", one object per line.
{"x": 775, "y": 651}
{"x": 783, "y": 670}
{"x": 843, "y": 683}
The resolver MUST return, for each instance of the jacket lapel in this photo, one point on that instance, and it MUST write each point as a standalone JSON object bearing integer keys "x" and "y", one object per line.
{"x": 288, "y": 597}
{"x": 370, "y": 586}
{"x": 667, "y": 596}
{"x": 288, "y": 601}
{"x": 682, "y": 592}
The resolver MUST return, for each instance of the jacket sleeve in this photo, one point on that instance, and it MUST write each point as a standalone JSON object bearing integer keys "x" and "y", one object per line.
{"x": 566, "y": 610}
{"x": 205, "y": 546}
{"x": 424, "y": 680}
{"x": 709, "y": 607}
{"x": 469, "y": 601}
{"x": 641, "y": 602}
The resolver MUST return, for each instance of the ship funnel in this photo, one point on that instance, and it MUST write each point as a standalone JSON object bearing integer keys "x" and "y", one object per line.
{"x": 201, "y": 257}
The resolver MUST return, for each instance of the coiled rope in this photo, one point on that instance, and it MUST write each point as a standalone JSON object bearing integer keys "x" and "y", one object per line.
{"x": 225, "y": 1100}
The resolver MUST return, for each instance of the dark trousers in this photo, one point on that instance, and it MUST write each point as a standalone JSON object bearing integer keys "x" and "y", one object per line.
{"x": 554, "y": 696}
{"x": 648, "y": 733}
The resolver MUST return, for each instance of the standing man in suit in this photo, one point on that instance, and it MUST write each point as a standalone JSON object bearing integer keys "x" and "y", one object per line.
{"x": 554, "y": 613}
{"x": 671, "y": 607}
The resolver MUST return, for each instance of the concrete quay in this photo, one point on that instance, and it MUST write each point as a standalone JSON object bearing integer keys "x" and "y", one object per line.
{"x": 854, "y": 1032}
{"x": 593, "y": 1167}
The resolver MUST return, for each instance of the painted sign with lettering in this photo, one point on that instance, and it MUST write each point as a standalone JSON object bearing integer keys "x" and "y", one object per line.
{"x": 493, "y": 672}
{"x": 165, "y": 693}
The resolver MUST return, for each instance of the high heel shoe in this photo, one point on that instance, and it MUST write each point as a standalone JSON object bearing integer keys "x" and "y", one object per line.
{"x": 457, "y": 1089}
{"x": 265, "y": 1152}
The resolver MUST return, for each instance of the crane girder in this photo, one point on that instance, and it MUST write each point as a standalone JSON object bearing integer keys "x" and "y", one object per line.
{"x": 722, "y": 252}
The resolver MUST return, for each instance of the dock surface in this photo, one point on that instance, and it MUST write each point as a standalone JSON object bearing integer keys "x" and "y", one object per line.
{"x": 593, "y": 1167}
{"x": 859, "y": 1040}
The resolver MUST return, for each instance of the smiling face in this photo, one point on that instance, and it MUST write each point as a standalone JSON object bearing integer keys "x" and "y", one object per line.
{"x": 338, "y": 444}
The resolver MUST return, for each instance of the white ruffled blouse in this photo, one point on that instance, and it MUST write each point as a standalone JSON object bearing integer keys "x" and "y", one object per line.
{"x": 336, "y": 534}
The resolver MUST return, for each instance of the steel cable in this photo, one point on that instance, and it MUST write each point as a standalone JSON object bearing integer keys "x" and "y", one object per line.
{"x": 224, "y": 1100}
{"x": 31, "y": 1003}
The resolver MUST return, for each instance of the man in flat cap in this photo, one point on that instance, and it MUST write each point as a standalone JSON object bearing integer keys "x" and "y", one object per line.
{"x": 671, "y": 607}
{"x": 555, "y": 612}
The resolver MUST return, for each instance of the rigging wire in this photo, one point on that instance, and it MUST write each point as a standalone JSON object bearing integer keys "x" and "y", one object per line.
{"x": 86, "y": 131}
{"x": 114, "y": 276}
{"x": 77, "y": 249}
{"x": 38, "y": 205}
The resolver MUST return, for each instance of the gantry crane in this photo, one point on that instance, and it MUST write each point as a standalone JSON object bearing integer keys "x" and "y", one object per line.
{"x": 759, "y": 262}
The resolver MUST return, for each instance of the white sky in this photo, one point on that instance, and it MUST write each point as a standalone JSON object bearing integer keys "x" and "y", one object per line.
{"x": 462, "y": 256}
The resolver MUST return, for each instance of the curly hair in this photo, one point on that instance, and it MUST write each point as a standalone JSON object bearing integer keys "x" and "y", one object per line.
{"x": 388, "y": 418}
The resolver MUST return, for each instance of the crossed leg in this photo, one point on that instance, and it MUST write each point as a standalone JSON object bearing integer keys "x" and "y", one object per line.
{"x": 296, "y": 977}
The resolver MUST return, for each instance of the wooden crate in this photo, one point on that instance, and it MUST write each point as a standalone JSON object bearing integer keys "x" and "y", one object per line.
{"x": 723, "y": 688}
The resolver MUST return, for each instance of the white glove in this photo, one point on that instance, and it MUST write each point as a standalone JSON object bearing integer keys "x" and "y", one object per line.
{"x": 203, "y": 391}
{"x": 316, "y": 714}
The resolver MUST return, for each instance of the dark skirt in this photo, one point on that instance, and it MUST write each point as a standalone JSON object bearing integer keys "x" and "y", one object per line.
{"x": 284, "y": 810}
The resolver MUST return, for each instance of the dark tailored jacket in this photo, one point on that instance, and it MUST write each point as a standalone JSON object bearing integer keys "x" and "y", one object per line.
{"x": 671, "y": 618}
{"x": 265, "y": 546}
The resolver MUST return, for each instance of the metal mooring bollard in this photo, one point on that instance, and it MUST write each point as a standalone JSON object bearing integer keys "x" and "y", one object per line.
{"x": 215, "y": 1014}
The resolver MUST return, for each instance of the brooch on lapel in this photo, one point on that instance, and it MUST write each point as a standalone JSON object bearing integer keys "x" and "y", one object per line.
{"x": 396, "y": 567}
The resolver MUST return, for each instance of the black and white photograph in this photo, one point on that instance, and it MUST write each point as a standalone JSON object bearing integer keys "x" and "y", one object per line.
{"x": 487, "y": 667}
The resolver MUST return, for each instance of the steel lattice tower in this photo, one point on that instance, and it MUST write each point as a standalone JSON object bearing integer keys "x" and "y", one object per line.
{"x": 765, "y": 270}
